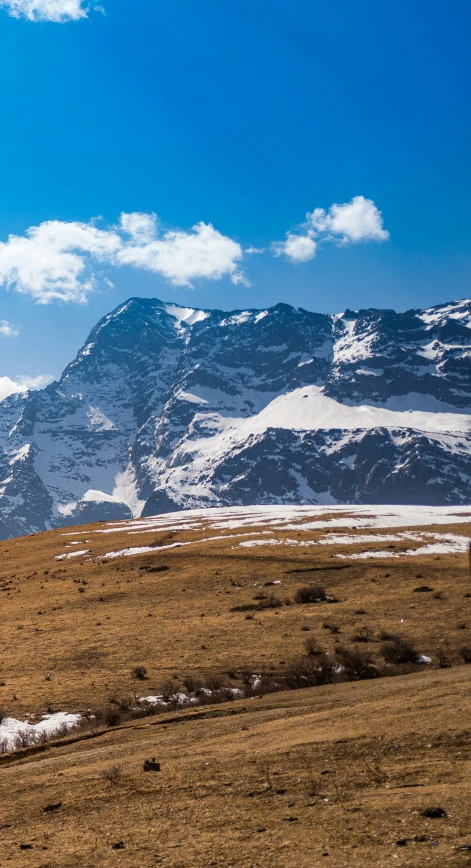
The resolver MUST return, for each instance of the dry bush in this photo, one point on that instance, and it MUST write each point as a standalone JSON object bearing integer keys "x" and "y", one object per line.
{"x": 168, "y": 690}
{"x": 264, "y": 602}
{"x": 113, "y": 775}
{"x": 112, "y": 715}
{"x": 465, "y": 653}
{"x": 139, "y": 673}
{"x": 312, "y": 594}
{"x": 399, "y": 650}
{"x": 364, "y": 634}
{"x": 444, "y": 661}
{"x": 313, "y": 647}
{"x": 332, "y": 626}
{"x": 357, "y": 665}
{"x": 214, "y": 682}
{"x": 423, "y": 589}
{"x": 311, "y": 672}
{"x": 192, "y": 683}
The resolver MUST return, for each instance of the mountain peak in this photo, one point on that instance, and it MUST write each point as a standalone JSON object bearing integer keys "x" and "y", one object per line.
{"x": 168, "y": 406}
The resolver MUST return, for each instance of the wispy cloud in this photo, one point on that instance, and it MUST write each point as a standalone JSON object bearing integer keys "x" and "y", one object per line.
{"x": 59, "y": 11}
{"x": 8, "y": 330}
{"x": 64, "y": 261}
{"x": 350, "y": 223}
{"x": 22, "y": 384}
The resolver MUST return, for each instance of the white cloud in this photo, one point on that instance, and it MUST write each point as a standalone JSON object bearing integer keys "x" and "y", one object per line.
{"x": 59, "y": 261}
{"x": 8, "y": 330}
{"x": 183, "y": 256}
{"x": 298, "y": 248}
{"x": 22, "y": 384}
{"x": 59, "y": 11}
{"x": 52, "y": 262}
{"x": 358, "y": 220}
{"x": 350, "y": 223}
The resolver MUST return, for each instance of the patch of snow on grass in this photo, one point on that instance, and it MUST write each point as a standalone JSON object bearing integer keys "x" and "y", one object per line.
{"x": 448, "y": 543}
{"x": 72, "y": 555}
{"x": 142, "y": 550}
{"x": 15, "y": 734}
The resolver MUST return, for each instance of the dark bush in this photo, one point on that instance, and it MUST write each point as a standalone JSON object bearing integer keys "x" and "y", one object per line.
{"x": 192, "y": 683}
{"x": 264, "y": 602}
{"x": 214, "y": 682}
{"x": 444, "y": 661}
{"x": 168, "y": 690}
{"x": 312, "y": 594}
{"x": 399, "y": 650}
{"x": 311, "y": 672}
{"x": 112, "y": 715}
{"x": 357, "y": 664}
{"x": 465, "y": 653}
{"x": 139, "y": 672}
{"x": 423, "y": 589}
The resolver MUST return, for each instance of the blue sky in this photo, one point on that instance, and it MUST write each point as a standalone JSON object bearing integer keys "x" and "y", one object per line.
{"x": 240, "y": 116}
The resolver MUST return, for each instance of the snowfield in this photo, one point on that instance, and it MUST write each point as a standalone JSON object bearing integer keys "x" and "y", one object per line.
{"x": 268, "y": 522}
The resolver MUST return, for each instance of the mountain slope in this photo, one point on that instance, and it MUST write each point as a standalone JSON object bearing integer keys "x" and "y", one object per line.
{"x": 168, "y": 407}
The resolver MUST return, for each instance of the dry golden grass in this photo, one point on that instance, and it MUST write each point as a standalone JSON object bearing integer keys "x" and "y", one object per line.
{"x": 344, "y": 769}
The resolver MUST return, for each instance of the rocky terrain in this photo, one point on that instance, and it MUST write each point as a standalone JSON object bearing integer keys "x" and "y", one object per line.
{"x": 167, "y": 407}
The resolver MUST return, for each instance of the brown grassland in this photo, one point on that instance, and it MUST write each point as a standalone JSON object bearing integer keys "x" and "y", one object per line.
{"x": 334, "y": 775}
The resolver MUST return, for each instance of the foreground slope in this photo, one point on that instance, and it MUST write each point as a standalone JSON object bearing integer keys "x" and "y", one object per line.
{"x": 281, "y": 779}
{"x": 167, "y": 407}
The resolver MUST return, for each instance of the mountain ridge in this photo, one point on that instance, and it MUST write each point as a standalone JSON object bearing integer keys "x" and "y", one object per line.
{"x": 167, "y": 407}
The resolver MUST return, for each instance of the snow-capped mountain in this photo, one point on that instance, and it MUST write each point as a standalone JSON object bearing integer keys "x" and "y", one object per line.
{"x": 167, "y": 407}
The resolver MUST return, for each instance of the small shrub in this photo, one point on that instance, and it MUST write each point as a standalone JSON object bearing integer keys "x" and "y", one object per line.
{"x": 139, "y": 673}
{"x": 357, "y": 665}
{"x": 465, "y": 653}
{"x": 113, "y": 775}
{"x": 312, "y": 594}
{"x": 311, "y": 672}
{"x": 399, "y": 650}
{"x": 385, "y": 635}
{"x": 313, "y": 648}
{"x": 168, "y": 690}
{"x": 364, "y": 634}
{"x": 112, "y": 715}
{"x": 264, "y": 602}
{"x": 214, "y": 682}
{"x": 438, "y": 595}
{"x": 192, "y": 683}
{"x": 443, "y": 659}
{"x": 332, "y": 626}
{"x": 422, "y": 589}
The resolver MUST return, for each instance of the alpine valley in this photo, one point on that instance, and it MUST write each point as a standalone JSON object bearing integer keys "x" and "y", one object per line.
{"x": 167, "y": 407}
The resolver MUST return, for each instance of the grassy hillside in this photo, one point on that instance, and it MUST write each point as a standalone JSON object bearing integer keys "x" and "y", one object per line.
{"x": 271, "y": 779}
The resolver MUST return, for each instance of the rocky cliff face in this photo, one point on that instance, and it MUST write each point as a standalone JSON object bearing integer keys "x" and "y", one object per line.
{"x": 168, "y": 407}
